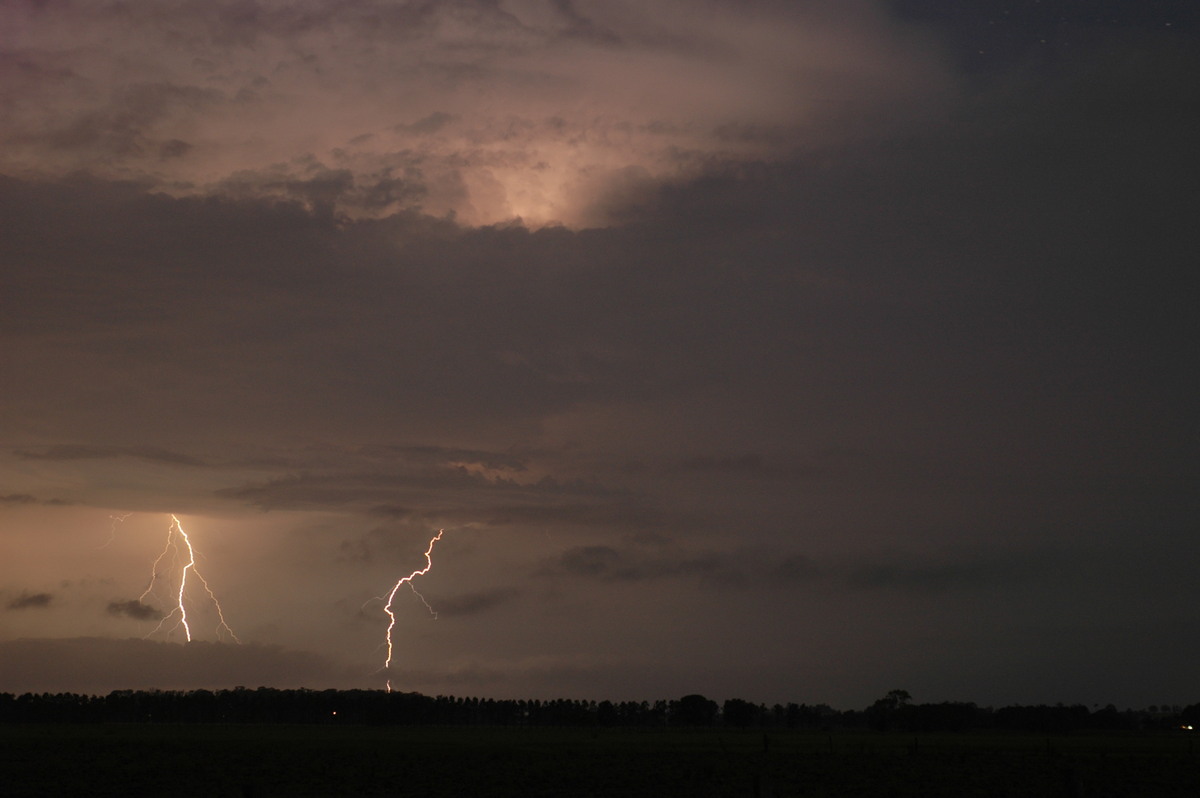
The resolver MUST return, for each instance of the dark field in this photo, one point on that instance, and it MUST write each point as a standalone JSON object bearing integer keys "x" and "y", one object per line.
{"x": 279, "y": 760}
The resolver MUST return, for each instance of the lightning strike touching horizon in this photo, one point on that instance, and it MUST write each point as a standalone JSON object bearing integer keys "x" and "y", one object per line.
{"x": 175, "y": 533}
{"x": 387, "y": 607}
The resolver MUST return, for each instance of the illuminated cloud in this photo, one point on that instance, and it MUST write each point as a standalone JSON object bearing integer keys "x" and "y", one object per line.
{"x": 487, "y": 110}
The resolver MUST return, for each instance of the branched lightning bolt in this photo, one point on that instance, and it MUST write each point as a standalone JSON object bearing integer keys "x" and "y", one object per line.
{"x": 154, "y": 574}
{"x": 387, "y": 607}
{"x": 112, "y": 529}
{"x": 175, "y": 534}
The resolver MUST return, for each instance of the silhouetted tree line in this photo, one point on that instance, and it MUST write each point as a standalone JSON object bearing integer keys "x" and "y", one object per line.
{"x": 893, "y": 712}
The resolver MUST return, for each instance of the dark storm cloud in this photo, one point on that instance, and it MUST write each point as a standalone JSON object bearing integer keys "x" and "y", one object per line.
{"x": 608, "y": 564}
{"x": 794, "y": 569}
{"x": 626, "y": 513}
{"x": 27, "y": 601}
{"x": 355, "y": 551}
{"x": 182, "y": 322}
{"x": 340, "y": 490}
{"x": 468, "y": 604}
{"x": 968, "y": 572}
{"x": 319, "y": 187}
{"x": 739, "y": 567}
{"x": 445, "y": 486}
{"x": 135, "y": 609}
{"x": 579, "y": 26}
{"x": 401, "y": 456}
{"x": 392, "y": 541}
{"x": 99, "y": 665}
{"x": 120, "y": 128}
{"x": 88, "y": 452}
{"x": 944, "y": 295}
{"x": 391, "y": 511}
{"x": 751, "y": 465}
{"x": 443, "y": 454}
{"x": 955, "y": 572}
{"x": 19, "y": 499}
{"x": 597, "y": 561}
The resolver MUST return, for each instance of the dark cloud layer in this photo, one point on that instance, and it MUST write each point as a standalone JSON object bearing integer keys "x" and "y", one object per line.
{"x": 27, "y": 601}
{"x": 936, "y": 573}
{"x": 85, "y": 452}
{"x": 18, "y": 499}
{"x": 475, "y": 603}
{"x": 135, "y": 609}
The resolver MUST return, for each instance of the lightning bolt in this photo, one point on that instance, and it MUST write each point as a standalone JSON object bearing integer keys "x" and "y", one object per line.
{"x": 175, "y": 535}
{"x": 112, "y": 529}
{"x": 387, "y": 607}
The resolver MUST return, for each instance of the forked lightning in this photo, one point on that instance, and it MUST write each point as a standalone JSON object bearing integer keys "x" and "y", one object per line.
{"x": 387, "y": 607}
{"x": 176, "y": 534}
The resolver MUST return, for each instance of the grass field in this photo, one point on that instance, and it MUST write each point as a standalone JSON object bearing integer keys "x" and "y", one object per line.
{"x": 279, "y": 760}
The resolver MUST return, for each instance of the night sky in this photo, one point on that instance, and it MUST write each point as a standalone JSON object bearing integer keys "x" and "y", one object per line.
{"x": 787, "y": 351}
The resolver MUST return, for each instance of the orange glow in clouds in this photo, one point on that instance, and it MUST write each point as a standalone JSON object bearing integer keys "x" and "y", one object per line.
{"x": 518, "y": 109}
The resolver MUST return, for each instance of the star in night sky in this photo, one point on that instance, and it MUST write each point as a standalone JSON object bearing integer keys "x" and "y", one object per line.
{"x": 992, "y": 35}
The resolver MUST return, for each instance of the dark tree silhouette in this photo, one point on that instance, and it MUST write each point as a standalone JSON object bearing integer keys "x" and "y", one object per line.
{"x": 695, "y": 710}
{"x": 890, "y": 711}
